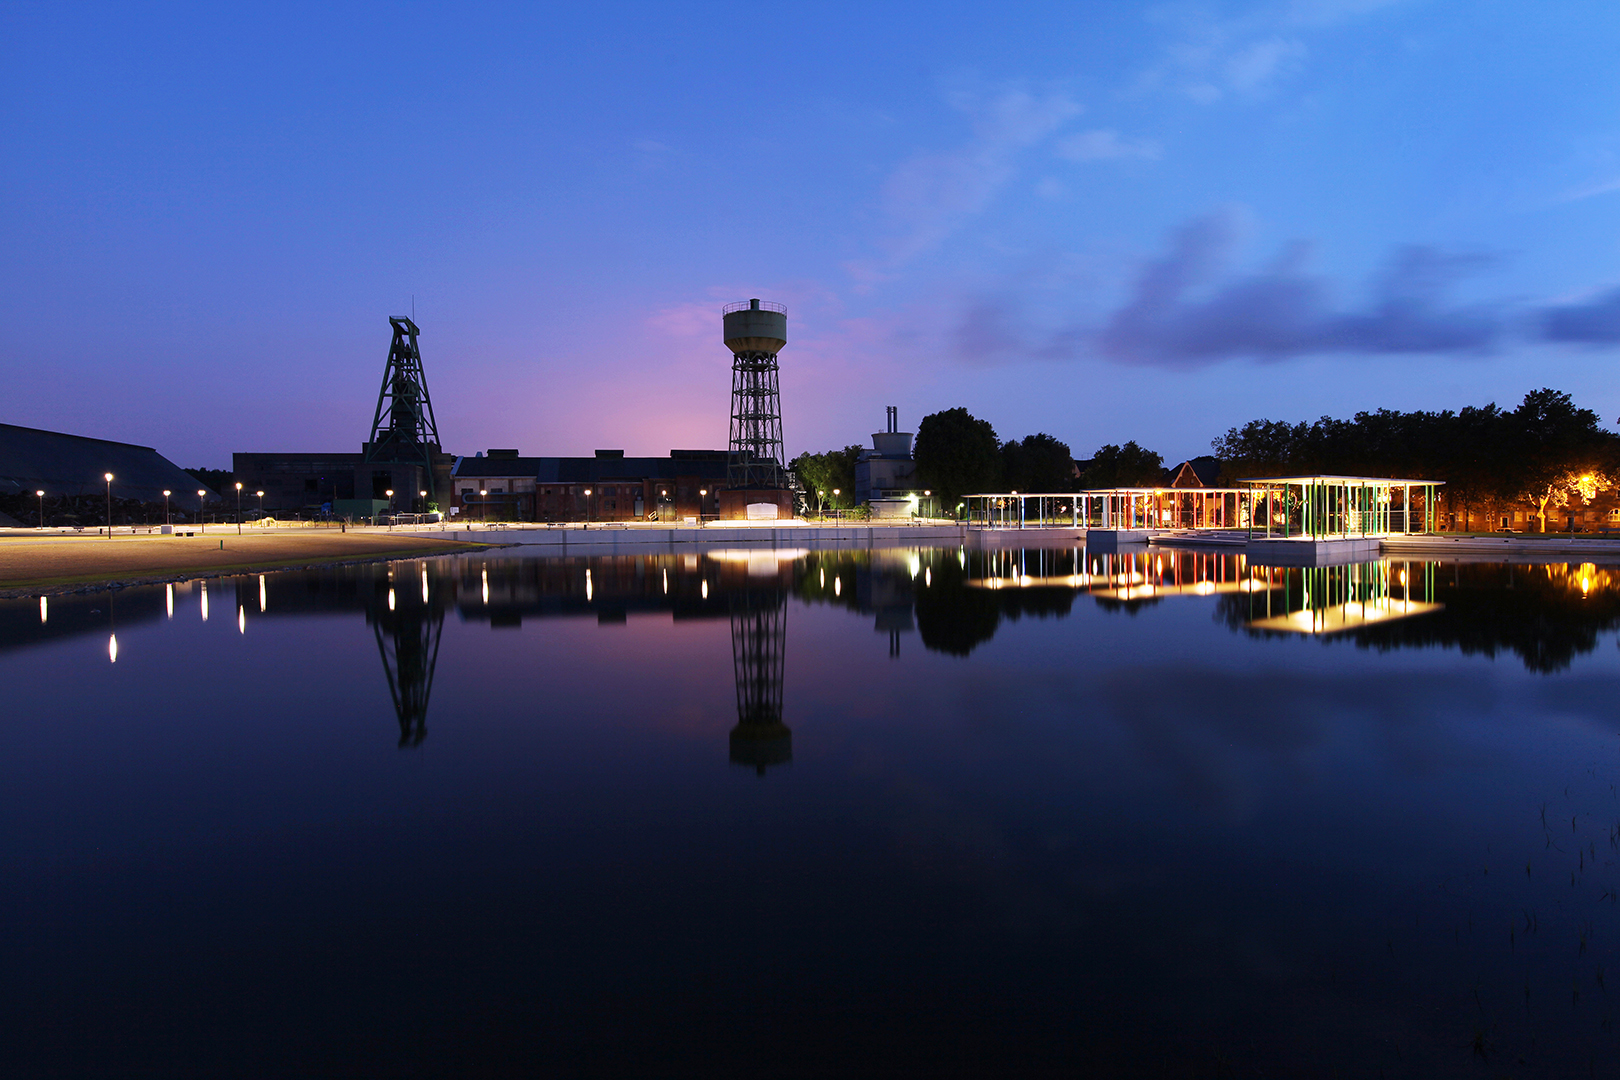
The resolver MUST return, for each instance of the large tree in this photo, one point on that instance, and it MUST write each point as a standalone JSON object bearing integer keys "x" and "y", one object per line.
{"x": 1127, "y": 466}
{"x": 1037, "y": 463}
{"x": 1561, "y": 454}
{"x": 957, "y": 454}
{"x": 829, "y": 472}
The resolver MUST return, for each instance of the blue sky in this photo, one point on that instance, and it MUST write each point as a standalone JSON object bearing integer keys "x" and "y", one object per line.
{"x": 1104, "y": 221}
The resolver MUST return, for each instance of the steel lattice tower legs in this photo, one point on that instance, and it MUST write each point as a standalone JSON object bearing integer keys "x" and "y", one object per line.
{"x": 758, "y": 650}
{"x": 756, "y": 454}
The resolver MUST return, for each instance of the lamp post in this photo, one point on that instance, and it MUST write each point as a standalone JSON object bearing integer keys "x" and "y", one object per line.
{"x": 703, "y": 497}
{"x": 239, "y": 508}
{"x": 836, "y": 492}
{"x": 41, "y": 494}
{"x": 202, "y": 496}
{"x": 820, "y": 494}
{"x": 483, "y": 505}
{"x": 260, "y": 494}
{"x": 422, "y": 494}
{"x": 587, "y": 506}
{"x": 108, "y": 477}
{"x": 166, "y": 494}
{"x": 390, "y": 493}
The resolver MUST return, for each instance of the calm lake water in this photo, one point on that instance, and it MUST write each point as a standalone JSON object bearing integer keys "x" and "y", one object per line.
{"x": 914, "y": 813}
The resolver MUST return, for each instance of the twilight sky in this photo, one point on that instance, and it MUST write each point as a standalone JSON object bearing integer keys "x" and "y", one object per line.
{"x": 1101, "y": 220}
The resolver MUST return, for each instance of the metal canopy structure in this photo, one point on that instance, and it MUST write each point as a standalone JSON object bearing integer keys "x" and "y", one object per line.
{"x": 755, "y": 332}
{"x": 403, "y": 428}
{"x": 1325, "y": 507}
{"x": 1282, "y": 507}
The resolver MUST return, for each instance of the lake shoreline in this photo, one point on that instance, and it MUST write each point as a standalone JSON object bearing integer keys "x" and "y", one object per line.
{"x": 60, "y": 566}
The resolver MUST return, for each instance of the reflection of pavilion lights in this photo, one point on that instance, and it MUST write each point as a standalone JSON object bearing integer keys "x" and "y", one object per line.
{"x": 241, "y": 619}
{"x": 928, "y": 576}
{"x": 1586, "y": 585}
{"x": 112, "y": 648}
{"x": 913, "y": 564}
{"x": 42, "y": 609}
{"x": 705, "y": 588}
{"x": 390, "y": 599}
{"x": 261, "y": 592}
{"x": 1204, "y": 588}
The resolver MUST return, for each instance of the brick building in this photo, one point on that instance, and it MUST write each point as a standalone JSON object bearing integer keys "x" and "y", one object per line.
{"x": 503, "y": 485}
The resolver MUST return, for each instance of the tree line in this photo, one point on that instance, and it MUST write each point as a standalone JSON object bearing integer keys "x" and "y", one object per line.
{"x": 1545, "y": 455}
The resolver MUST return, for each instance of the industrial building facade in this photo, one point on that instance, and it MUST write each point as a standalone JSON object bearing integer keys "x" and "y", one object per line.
{"x": 502, "y": 485}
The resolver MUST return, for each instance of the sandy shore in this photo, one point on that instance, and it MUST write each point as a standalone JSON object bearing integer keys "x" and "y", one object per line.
{"x": 30, "y": 565}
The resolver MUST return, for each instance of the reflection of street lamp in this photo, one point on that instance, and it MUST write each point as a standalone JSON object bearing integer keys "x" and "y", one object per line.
{"x": 239, "y": 508}
{"x": 202, "y": 496}
{"x": 166, "y": 494}
{"x": 41, "y": 494}
{"x": 109, "y": 505}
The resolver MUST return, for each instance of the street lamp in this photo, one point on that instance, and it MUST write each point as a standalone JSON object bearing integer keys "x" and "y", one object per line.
{"x": 836, "y": 492}
{"x": 390, "y": 493}
{"x": 41, "y": 494}
{"x": 820, "y": 494}
{"x": 260, "y": 494}
{"x": 108, "y": 477}
{"x": 202, "y": 501}
{"x": 166, "y": 494}
{"x": 483, "y": 504}
{"x": 703, "y": 495}
{"x": 239, "y": 508}
{"x": 587, "y": 505}
{"x": 422, "y": 494}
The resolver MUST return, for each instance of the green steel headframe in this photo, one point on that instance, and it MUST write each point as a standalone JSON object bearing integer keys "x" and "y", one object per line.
{"x": 403, "y": 428}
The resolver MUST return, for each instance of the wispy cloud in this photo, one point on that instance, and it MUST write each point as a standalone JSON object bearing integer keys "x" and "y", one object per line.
{"x": 929, "y": 196}
{"x": 1210, "y": 57}
{"x": 1187, "y": 310}
{"x": 1596, "y": 322}
{"x": 1104, "y": 144}
{"x": 1589, "y": 191}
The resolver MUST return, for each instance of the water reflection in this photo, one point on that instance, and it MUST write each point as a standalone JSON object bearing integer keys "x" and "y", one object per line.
{"x": 408, "y": 636}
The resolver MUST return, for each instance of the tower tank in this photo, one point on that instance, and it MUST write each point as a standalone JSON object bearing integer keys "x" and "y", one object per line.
{"x": 755, "y": 328}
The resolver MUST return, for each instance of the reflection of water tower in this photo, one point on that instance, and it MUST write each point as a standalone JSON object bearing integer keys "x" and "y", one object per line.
{"x": 408, "y": 621}
{"x": 755, "y": 333}
{"x": 758, "y": 646}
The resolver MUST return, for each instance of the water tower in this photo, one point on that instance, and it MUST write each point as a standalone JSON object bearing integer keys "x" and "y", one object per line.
{"x": 755, "y": 332}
